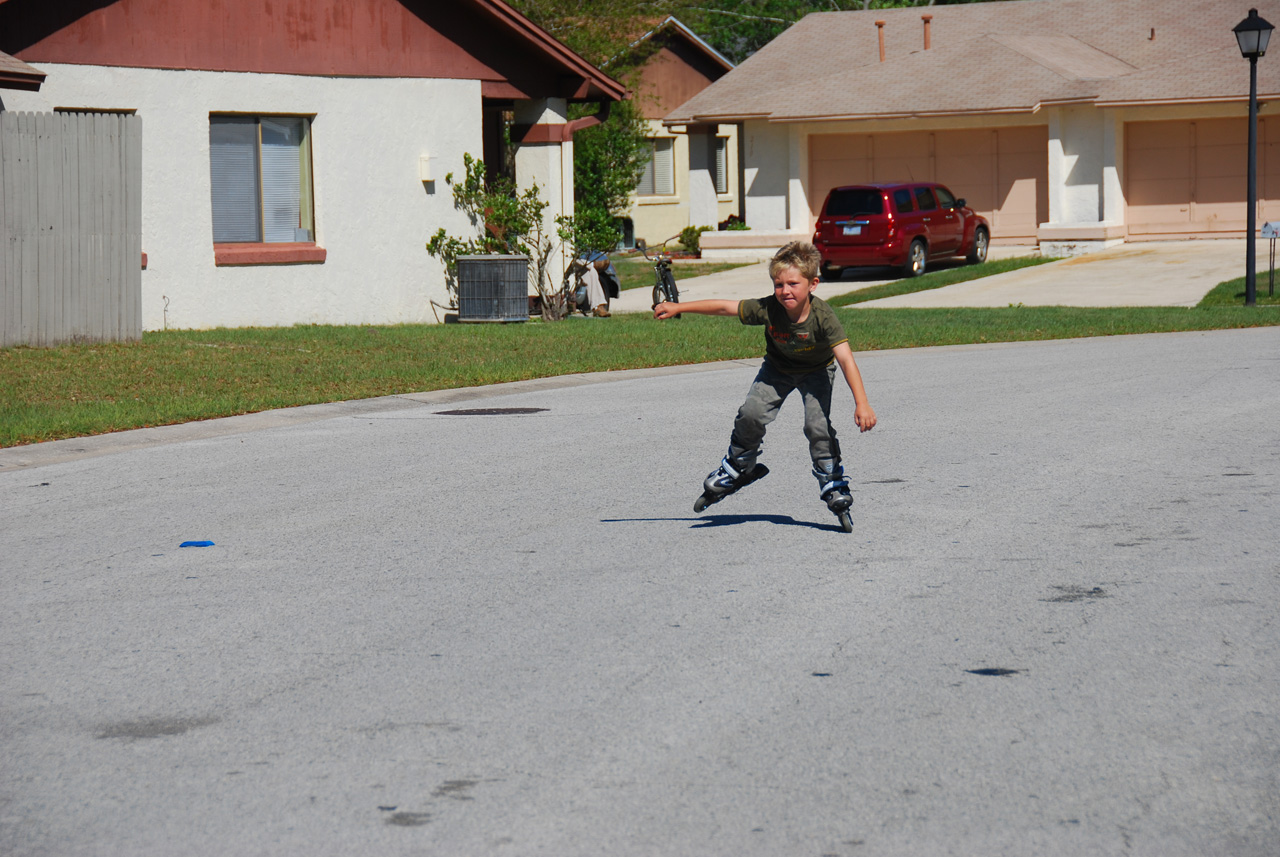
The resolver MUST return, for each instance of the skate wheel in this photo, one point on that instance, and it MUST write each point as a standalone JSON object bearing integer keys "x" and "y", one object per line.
{"x": 701, "y": 503}
{"x": 846, "y": 521}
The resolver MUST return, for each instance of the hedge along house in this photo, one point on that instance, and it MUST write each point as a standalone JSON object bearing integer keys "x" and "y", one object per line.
{"x": 294, "y": 154}
{"x": 692, "y": 175}
{"x": 1074, "y": 124}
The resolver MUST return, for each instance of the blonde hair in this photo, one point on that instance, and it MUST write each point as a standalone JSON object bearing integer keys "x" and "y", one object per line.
{"x": 801, "y": 255}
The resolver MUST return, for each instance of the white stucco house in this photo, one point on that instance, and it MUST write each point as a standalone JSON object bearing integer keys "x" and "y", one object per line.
{"x": 1072, "y": 124}
{"x": 294, "y": 154}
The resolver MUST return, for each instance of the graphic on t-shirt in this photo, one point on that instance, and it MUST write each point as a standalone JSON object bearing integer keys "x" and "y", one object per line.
{"x": 799, "y": 340}
{"x": 795, "y": 347}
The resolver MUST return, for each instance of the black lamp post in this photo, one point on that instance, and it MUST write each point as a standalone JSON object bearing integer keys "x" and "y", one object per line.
{"x": 1252, "y": 34}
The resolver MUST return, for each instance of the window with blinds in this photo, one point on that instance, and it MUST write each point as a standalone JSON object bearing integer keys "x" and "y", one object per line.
{"x": 659, "y": 177}
{"x": 722, "y": 165}
{"x": 260, "y": 175}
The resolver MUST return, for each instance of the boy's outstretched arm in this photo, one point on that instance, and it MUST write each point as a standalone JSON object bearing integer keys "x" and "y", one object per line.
{"x": 863, "y": 415}
{"x": 666, "y": 309}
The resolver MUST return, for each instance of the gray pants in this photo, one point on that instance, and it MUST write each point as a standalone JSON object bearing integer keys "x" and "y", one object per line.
{"x": 768, "y": 391}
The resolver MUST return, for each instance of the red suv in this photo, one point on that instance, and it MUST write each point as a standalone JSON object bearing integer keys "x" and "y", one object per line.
{"x": 903, "y": 224}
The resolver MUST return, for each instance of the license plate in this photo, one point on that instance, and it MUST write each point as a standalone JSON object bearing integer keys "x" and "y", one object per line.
{"x": 853, "y": 230}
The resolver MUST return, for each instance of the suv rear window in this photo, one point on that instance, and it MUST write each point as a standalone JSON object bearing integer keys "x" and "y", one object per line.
{"x": 857, "y": 200}
{"x": 902, "y": 200}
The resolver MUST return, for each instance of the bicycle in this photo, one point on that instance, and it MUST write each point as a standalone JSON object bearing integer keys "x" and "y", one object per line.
{"x": 664, "y": 282}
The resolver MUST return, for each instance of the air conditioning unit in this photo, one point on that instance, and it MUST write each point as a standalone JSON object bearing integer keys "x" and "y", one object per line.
{"x": 493, "y": 288}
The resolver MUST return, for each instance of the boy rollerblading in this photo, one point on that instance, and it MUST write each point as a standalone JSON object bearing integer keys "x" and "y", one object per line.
{"x": 804, "y": 343}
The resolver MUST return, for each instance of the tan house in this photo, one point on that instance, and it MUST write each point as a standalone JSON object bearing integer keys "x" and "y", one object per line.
{"x": 692, "y": 176}
{"x": 1072, "y": 124}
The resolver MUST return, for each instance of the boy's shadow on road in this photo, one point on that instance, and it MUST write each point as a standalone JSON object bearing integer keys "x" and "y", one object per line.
{"x": 730, "y": 520}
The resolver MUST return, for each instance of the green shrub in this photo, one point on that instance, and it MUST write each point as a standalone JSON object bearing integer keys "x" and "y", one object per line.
{"x": 691, "y": 237}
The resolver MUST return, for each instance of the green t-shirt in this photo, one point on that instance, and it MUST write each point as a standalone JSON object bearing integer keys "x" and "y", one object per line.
{"x": 790, "y": 347}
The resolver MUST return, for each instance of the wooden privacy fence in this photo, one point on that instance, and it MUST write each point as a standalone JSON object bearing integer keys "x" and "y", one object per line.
{"x": 71, "y": 210}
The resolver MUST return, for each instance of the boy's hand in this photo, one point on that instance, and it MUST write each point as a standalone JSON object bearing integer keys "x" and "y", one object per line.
{"x": 864, "y": 417}
{"x": 665, "y": 310}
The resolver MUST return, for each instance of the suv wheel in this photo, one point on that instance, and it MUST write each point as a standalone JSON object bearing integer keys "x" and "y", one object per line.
{"x": 978, "y": 252}
{"x": 830, "y": 273}
{"x": 917, "y": 259}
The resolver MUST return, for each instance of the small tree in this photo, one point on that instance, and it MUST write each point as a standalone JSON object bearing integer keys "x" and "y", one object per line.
{"x": 506, "y": 221}
{"x": 607, "y": 162}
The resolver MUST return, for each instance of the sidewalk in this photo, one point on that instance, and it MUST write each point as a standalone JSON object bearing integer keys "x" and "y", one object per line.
{"x": 1158, "y": 273}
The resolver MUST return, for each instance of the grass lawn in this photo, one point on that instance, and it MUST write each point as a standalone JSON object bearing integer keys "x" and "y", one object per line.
{"x": 178, "y": 376}
{"x": 1231, "y": 293}
{"x": 935, "y": 280}
{"x": 635, "y": 272}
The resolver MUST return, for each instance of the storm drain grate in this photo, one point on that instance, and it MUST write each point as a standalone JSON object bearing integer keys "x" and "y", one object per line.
{"x": 489, "y": 412}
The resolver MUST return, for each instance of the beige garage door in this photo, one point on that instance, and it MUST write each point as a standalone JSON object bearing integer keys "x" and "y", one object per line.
{"x": 1188, "y": 177}
{"x": 1002, "y": 173}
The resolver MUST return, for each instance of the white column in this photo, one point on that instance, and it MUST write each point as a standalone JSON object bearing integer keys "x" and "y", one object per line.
{"x": 766, "y": 151}
{"x": 1113, "y": 204}
{"x": 549, "y": 166}
{"x": 1083, "y": 182}
{"x": 703, "y": 210}
{"x": 798, "y": 216}
{"x": 1059, "y": 167}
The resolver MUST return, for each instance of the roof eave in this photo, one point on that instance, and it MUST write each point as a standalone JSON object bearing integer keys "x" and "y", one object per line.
{"x": 671, "y": 20}
{"x": 711, "y": 52}
{"x": 724, "y": 119}
{"x": 910, "y": 114}
{"x": 16, "y": 74}
{"x": 1175, "y": 102}
{"x": 14, "y": 80}
{"x": 608, "y": 88}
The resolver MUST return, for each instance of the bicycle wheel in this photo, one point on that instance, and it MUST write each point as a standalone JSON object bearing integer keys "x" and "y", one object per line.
{"x": 670, "y": 283}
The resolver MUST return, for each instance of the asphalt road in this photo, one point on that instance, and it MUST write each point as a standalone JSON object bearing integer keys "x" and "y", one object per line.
{"x": 1053, "y": 631}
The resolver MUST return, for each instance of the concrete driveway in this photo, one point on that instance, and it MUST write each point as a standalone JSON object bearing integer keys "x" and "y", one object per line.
{"x": 503, "y": 631}
{"x": 1158, "y": 273}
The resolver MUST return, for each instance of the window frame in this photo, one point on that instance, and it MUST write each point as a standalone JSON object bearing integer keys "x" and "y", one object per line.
{"x": 651, "y": 169}
{"x": 720, "y": 158}
{"x": 263, "y": 251}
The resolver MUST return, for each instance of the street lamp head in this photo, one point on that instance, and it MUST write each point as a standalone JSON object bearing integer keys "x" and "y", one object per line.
{"x": 1252, "y": 34}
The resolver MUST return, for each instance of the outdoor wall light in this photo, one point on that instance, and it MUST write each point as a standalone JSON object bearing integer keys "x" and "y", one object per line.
{"x": 1252, "y": 34}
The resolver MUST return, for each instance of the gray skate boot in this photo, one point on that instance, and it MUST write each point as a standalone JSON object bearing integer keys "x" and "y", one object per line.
{"x": 725, "y": 480}
{"x": 835, "y": 493}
